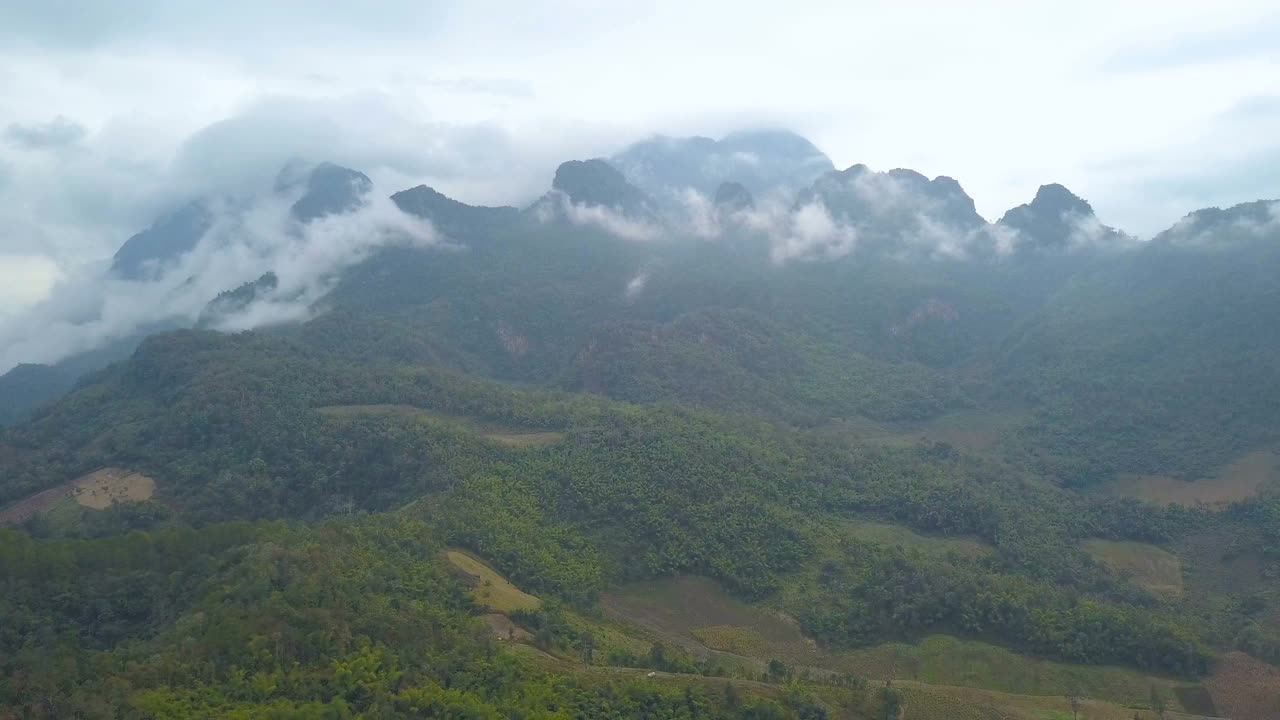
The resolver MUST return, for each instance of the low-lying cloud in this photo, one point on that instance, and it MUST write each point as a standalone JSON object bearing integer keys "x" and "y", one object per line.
{"x": 91, "y": 306}
{"x": 811, "y": 233}
{"x": 557, "y": 204}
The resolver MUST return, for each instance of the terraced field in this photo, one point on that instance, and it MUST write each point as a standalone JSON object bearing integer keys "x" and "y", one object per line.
{"x": 1149, "y": 566}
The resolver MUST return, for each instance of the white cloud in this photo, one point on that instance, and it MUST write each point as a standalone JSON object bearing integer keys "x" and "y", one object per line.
{"x": 558, "y": 204}
{"x": 810, "y": 233}
{"x": 701, "y": 215}
{"x": 1245, "y": 225}
{"x": 25, "y": 280}
{"x": 91, "y": 306}
{"x": 636, "y": 284}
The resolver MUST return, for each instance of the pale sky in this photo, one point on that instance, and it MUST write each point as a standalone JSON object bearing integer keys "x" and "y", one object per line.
{"x": 112, "y": 111}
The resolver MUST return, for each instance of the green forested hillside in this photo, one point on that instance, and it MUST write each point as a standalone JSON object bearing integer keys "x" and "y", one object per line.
{"x": 583, "y": 412}
{"x": 1162, "y": 362}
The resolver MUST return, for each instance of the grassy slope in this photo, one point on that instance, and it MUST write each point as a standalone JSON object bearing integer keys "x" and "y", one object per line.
{"x": 925, "y": 673}
{"x": 1151, "y": 567}
{"x": 488, "y": 587}
{"x": 690, "y": 611}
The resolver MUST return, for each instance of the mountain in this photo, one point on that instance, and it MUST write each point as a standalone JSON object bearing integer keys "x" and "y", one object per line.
{"x": 764, "y": 162}
{"x": 146, "y": 254}
{"x": 454, "y": 219}
{"x": 1214, "y": 225}
{"x": 29, "y": 386}
{"x": 594, "y": 192}
{"x": 1057, "y": 219}
{"x": 1139, "y": 350}
{"x": 596, "y": 182}
{"x": 327, "y": 189}
{"x": 899, "y": 210}
{"x": 232, "y": 302}
{"x": 324, "y": 189}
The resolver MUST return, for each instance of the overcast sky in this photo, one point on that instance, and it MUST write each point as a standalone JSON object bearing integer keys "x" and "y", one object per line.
{"x": 112, "y": 111}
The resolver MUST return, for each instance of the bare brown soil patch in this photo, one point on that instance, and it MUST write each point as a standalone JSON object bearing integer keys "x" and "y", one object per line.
{"x": 102, "y": 489}
{"x": 503, "y": 629}
{"x": 98, "y": 490}
{"x": 1244, "y": 688}
{"x": 1239, "y": 480}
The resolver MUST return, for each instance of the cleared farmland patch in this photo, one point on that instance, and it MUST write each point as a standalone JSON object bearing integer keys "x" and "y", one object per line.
{"x": 104, "y": 488}
{"x": 971, "y": 431}
{"x": 697, "y": 615}
{"x": 488, "y": 587}
{"x": 1244, "y": 688}
{"x": 895, "y": 535}
{"x": 1239, "y": 480}
{"x": 1155, "y": 569}
{"x": 505, "y": 435}
{"x": 98, "y": 490}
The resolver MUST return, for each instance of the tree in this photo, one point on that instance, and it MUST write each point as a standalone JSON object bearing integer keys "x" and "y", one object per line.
{"x": 731, "y": 698}
{"x": 892, "y": 701}
{"x": 1158, "y": 704}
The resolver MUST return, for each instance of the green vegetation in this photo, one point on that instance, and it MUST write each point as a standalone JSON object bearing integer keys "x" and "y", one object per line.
{"x": 1154, "y": 569}
{"x": 338, "y": 620}
{"x": 488, "y": 588}
{"x": 744, "y": 473}
{"x": 632, "y": 492}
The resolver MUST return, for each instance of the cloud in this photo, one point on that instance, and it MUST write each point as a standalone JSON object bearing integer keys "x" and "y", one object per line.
{"x": 80, "y": 206}
{"x": 91, "y": 306}
{"x": 58, "y": 132}
{"x": 809, "y": 233}
{"x": 25, "y": 279}
{"x": 701, "y": 216}
{"x": 1217, "y": 45}
{"x": 556, "y": 204}
{"x": 636, "y": 284}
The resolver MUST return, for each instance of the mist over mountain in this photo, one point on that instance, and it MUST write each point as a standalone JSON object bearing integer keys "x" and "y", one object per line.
{"x": 1057, "y": 219}
{"x": 765, "y": 162}
{"x": 1246, "y": 221}
{"x": 759, "y": 334}
{"x": 144, "y": 255}
{"x": 327, "y": 189}
{"x": 452, "y": 218}
{"x": 660, "y": 188}
{"x": 639, "y": 361}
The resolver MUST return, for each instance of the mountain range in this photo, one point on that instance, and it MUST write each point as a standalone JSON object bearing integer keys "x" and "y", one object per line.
{"x": 645, "y": 193}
